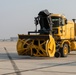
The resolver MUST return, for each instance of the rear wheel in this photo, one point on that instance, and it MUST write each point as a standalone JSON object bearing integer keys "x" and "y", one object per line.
{"x": 64, "y": 50}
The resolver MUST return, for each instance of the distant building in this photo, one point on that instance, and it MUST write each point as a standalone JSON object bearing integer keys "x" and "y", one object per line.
{"x": 13, "y": 38}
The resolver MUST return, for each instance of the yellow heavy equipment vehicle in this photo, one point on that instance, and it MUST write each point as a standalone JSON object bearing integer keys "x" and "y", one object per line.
{"x": 56, "y": 36}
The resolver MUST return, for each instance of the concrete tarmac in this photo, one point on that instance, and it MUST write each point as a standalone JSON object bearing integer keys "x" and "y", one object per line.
{"x": 13, "y": 64}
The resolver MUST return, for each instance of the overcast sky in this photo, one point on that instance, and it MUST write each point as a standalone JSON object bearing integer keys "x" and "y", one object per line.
{"x": 17, "y": 16}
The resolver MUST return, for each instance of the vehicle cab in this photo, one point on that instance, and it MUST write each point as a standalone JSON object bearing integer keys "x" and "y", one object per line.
{"x": 58, "y": 24}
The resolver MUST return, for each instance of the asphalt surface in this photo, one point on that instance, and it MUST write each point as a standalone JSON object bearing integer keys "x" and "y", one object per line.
{"x": 13, "y": 64}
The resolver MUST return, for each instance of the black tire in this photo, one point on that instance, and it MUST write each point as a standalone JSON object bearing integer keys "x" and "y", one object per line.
{"x": 57, "y": 54}
{"x": 64, "y": 51}
{"x": 68, "y": 49}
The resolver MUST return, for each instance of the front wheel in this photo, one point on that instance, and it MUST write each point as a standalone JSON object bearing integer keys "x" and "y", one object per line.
{"x": 64, "y": 50}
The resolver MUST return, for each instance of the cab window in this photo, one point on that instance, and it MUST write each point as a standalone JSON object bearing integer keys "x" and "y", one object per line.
{"x": 57, "y": 21}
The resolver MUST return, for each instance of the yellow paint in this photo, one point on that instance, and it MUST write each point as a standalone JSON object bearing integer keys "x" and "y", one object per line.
{"x": 42, "y": 47}
{"x": 50, "y": 46}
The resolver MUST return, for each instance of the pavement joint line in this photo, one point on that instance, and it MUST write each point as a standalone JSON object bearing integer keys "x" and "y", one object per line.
{"x": 34, "y": 69}
{"x": 57, "y": 72}
{"x": 13, "y": 63}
